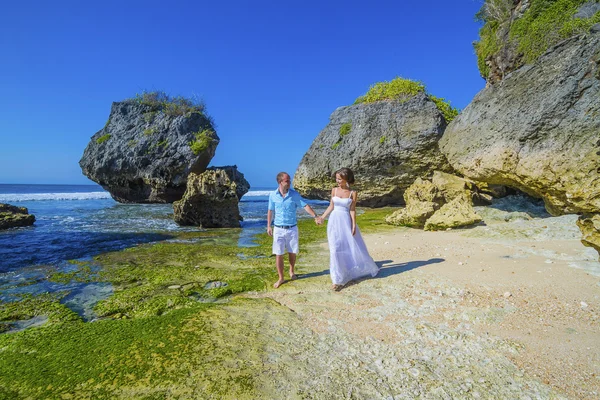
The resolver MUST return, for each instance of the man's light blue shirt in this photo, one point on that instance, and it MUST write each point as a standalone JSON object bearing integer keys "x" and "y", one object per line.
{"x": 285, "y": 207}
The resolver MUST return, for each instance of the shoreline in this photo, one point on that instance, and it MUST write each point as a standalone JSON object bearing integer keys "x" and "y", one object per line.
{"x": 494, "y": 311}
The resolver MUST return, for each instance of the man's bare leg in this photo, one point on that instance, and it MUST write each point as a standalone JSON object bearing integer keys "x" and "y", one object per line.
{"x": 292, "y": 257}
{"x": 279, "y": 265}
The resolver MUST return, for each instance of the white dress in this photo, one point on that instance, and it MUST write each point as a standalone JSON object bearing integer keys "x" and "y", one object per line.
{"x": 349, "y": 257}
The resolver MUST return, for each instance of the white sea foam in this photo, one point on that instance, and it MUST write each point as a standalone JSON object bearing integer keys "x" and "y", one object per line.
{"x": 256, "y": 193}
{"x": 16, "y": 197}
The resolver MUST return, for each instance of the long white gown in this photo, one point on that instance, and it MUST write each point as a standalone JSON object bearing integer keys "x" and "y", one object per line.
{"x": 349, "y": 257}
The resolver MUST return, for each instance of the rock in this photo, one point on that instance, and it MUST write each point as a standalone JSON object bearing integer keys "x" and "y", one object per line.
{"x": 422, "y": 199}
{"x": 507, "y": 295}
{"x": 211, "y": 199}
{"x": 587, "y": 10}
{"x": 144, "y": 153}
{"x": 589, "y": 224}
{"x": 537, "y": 131}
{"x": 452, "y": 186}
{"x": 517, "y": 216}
{"x": 507, "y": 58}
{"x": 388, "y": 144}
{"x": 425, "y": 199}
{"x": 215, "y": 285}
{"x": 13, "y": 216}
{"x": 458, "y": 212}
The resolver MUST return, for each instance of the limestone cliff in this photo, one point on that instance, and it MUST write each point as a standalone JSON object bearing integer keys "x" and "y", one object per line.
{"x": 538, "y": 130}
{"x": 145, "y": 152}
{"x": 388, "y": 144}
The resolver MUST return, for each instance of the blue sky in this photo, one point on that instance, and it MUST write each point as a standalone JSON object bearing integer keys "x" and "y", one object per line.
{"x": 270, "y": 72}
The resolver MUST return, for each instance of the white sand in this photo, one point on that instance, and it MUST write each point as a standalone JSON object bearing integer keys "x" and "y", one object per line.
{"x": 521, "y": 296}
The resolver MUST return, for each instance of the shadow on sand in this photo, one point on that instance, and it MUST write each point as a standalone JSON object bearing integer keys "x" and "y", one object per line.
{"x": 384, "y": 270}
{"x": 393, "y": 269}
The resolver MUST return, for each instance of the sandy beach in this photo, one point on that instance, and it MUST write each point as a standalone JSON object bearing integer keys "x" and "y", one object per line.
{"x": 502, "y": 310}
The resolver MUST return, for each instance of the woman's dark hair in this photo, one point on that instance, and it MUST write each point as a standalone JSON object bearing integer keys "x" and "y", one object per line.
{"x": 346, "y": 174}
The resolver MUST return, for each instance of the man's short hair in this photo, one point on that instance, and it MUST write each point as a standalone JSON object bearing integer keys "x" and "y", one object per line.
{"x": 281, "y": 175}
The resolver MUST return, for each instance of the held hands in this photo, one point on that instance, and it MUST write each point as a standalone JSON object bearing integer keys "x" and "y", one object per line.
{"x": 318, "y": 220}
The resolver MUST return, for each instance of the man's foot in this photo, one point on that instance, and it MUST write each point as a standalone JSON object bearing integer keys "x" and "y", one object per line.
{"x": 278, "y": 283}
{"x": 293, "y": 277}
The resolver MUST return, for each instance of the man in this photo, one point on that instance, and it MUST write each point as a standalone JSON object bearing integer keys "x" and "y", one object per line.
{"x": 284, "y": 202}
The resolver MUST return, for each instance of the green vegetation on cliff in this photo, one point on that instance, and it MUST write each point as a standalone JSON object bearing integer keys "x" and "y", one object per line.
{"x": 543, "y": 24}
{"x": 170, "y": 105}
{"x": 403, "y": 89}
{"x": 203, "y": 140}
{"x": 103, "y": 138}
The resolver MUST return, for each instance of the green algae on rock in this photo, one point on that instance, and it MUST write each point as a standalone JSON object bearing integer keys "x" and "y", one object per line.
{"x": 162, "y": 335}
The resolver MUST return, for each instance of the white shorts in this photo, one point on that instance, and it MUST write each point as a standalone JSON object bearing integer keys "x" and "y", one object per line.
{"x": 285, "y": 239}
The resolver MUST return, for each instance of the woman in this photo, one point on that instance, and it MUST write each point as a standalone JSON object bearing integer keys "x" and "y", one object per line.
{"x": 349, "y": 257}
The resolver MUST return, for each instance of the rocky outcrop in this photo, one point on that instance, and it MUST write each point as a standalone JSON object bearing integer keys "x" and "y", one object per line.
{"x": 145, "y": 153}
{"x": 589, "y": 224}
{"x": 13, "y": 216}
{"x": 457, "y": 213}
{"x": 211, "y": 199}
{"x": 388, "y": 144}
{"x": 538, "y": 130}
{"x": 507, "y": 58}
{"x": 445, "y": 202}
{"x": 511, "y": 45}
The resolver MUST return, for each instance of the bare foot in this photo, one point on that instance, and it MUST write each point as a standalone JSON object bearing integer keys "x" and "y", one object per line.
{"x": 337, "y": 288}
{"x": 293, "y": 277}
{"x": 278, "y": 283}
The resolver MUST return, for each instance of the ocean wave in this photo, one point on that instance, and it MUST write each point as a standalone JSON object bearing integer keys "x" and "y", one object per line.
{"x": 255, "y": 193}
{"x": 17, "y": 197}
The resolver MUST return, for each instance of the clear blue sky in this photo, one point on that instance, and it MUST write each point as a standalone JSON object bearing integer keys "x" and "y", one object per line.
{"x": 270, "y": 72}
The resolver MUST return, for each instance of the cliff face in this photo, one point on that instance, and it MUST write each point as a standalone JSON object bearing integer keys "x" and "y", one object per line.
{"x": 538, "y": 130}
{"x": 388, "y": 144}
{"x": 145, "y": 154}
{"x": 517, "y": 32}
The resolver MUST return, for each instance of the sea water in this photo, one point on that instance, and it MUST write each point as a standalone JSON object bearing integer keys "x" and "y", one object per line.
{"x": 77, "y": 222}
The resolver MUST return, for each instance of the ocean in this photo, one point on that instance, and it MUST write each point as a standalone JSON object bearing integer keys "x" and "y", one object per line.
{"x": 76, "y": 222}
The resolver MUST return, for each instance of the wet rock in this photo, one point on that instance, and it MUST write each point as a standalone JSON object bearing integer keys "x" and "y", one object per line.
{"x": 211, "y": 199}
{"x": 13, "y": 216}
{"x": 215, "y": 285}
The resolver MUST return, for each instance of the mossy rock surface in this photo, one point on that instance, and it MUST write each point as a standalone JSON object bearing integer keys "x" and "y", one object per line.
{"x": 13, "y": 216}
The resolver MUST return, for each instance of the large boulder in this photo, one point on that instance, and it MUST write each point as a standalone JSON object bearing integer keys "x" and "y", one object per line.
{"x": 444, "y": 202}
{"x": 211, "y": 199}
{"x": 537, "y": 130}
{"x": 13, "y": 216}
{"x": 422, "y": 200}
{"x": 145, "y": 152}
{"x": 457, "y": 213}
{"x": 388, "y": 144}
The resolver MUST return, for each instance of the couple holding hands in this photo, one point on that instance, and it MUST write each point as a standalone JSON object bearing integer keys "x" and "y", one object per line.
{"x": 349, "y": 257}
